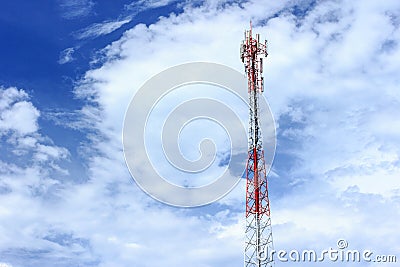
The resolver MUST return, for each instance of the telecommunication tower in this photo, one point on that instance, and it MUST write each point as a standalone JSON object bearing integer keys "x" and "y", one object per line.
{"x": 258, "y": 221}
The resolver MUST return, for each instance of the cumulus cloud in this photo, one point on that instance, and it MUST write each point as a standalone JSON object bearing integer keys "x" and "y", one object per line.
{"x": 16, "y": 114}
{"x": 30, "y": 175}
{"x": 21, "y": 118}
{"x": 322, "y": 78}
{"x": 11, "y": 95}
{"x": 19, "y": 124}
{"x": 331, "y": 80}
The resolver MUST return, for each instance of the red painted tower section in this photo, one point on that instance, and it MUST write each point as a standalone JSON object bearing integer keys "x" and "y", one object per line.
{"x": 258, "y": 244}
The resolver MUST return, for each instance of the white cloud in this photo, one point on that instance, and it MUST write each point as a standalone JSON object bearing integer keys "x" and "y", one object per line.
{"x": 327, "y": 66}
{"x": 17, "y": 115}
{"x": 19, "y": 123}
{"x": 27, "y": 142}
{"x": 21, "y": 118}
{"x": 99, "y": 29}
{"x": 66, "y": 55}
{"x": 45, "y": 152}
{"x": 30, "y": 175}
{"x": 73, "y": 9}
{"x": 141, "y": 5}
{"x": 332, "y": 90}
{"x": 11, "y": 95}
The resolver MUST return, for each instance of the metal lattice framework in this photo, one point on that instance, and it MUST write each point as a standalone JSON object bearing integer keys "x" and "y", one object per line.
{"x": 258, "y": 222}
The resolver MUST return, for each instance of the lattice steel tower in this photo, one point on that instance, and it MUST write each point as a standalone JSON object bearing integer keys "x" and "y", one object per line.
{"x": 258, "y": 222}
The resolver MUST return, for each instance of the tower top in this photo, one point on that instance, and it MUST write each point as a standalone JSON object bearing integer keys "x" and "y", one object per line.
{"x": 252, "y": 52}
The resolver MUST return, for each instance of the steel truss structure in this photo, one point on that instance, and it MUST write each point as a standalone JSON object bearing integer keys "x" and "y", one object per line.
{"x": 258, "y": 232}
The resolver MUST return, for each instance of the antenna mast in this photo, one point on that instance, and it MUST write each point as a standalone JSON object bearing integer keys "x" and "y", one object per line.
{"x": 258, "y": 221}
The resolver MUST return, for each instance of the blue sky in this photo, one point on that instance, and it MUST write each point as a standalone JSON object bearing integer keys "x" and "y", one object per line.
{"x": 69, "y": 68}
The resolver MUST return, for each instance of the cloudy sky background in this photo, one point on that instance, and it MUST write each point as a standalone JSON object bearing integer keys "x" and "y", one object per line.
{"x": 69, "y": 69}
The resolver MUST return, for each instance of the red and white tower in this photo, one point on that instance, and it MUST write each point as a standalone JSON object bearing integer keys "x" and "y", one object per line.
{"x": 258, "y": 221}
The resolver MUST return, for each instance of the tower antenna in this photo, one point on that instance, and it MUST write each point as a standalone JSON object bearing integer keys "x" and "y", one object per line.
{"x": 258, "y": 246}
